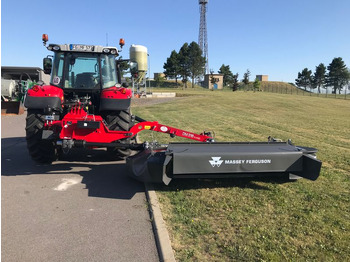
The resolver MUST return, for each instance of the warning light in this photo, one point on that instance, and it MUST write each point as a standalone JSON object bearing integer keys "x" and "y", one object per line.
{"x": 121, "y": 42}
{"x": 45, "y": 38}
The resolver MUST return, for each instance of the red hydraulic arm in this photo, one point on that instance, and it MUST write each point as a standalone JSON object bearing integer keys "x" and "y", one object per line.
{"x": 79, "y": 125}
{"x": 155, "y": 126}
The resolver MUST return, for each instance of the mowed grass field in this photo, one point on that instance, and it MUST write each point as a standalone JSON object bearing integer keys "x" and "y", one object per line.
{"x": 260, "y": 219}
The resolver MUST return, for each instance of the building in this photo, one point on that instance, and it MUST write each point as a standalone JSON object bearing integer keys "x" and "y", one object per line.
{"x": 263, "y": 78}
{"x": 213, "y": 81}
{"x": 20, "y": 72}
{"x": 158, "y": 75}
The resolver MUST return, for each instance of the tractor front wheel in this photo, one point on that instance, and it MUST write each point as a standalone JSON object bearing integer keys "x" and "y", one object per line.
{"x": 41, "y": 151}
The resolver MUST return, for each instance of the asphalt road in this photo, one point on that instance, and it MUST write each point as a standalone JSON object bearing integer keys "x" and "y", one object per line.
{"x": 81, "y": 209}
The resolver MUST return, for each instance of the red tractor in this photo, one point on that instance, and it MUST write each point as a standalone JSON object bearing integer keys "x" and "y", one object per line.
{"x": 84, "y": 92}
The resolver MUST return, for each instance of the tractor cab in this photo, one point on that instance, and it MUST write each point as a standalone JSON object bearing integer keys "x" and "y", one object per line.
{"x": 82, "y": 67}
{"x": 86, "y": 74}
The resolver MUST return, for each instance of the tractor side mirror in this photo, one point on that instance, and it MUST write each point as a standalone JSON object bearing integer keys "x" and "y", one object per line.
{"x": 47, "y": 64}
{"x": 133, "y": 68}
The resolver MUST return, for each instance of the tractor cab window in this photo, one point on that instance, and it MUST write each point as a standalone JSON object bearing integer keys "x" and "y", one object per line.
{"x": 57, "y": 70}
{"x": 109, "y": 76}
{"x": 83, "y": 71}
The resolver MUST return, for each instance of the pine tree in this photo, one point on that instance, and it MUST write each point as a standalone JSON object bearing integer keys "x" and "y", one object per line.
{"x": 171, "y": 67}
{"x": 235, "y": 82}
{"x": 196, "y": 61}
{"x": 184, "y": 63}
{"x": 228, "y": 76}
{"x": 319, "y": 77}
{"x": 338, "y": 75}
{"x": 245, "y": 79}
{"x": 304, "y": 79}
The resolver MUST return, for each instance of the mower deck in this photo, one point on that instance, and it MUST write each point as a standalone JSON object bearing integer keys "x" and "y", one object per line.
{"x": 213, "y": 160}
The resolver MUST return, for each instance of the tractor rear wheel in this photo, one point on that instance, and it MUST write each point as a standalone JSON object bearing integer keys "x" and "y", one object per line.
{"x": 41, "y": 151}
{"x": 120, "y": 121}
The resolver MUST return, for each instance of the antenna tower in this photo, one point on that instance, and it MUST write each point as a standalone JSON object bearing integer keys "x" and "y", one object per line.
{"x": 203, "y": 39}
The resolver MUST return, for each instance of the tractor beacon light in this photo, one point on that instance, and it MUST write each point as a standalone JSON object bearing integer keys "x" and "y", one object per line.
{"x": 45, "y": 38}
{"x": 121, "y": 42}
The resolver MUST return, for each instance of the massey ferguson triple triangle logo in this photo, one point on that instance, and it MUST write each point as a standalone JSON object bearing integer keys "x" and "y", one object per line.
{"x": 216, "y": 161}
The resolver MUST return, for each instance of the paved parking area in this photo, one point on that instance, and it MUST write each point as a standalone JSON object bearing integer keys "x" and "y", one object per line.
{"x": 81, "y": 208}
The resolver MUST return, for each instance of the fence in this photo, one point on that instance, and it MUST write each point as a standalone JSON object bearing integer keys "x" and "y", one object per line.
{"x": 286, "y": 88}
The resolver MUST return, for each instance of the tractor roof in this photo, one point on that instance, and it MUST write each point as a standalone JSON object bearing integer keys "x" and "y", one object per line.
{"x": 83, "y": 48}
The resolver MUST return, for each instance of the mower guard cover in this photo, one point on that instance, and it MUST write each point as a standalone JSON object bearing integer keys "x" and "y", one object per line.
{"x": 217, "y": 160}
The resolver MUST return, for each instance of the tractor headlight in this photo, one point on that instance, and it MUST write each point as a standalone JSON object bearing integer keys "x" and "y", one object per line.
{"x": 53, "y": 47}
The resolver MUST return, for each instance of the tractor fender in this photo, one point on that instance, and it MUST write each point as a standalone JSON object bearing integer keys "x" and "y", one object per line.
{"x": 40, "y": 97}
{"x": 115, "y": 98}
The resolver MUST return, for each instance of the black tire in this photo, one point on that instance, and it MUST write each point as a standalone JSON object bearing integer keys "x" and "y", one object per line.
{"x": 41, "y": 151}
{"x": 120, "y": 121}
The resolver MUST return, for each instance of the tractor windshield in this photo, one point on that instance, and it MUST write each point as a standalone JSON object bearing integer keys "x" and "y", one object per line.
{"x": 83, "y": 71}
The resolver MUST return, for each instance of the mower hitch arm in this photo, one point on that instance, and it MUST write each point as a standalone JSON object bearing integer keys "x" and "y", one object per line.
{"x": 172, "y": 131}
{"x": 78, "y": 125}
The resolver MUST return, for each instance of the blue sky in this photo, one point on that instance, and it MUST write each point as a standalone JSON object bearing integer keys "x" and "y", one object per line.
{"x": 273, "y": 37}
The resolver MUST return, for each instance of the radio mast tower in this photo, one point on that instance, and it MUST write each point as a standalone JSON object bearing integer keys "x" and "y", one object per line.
{"x": 203, "y": 39}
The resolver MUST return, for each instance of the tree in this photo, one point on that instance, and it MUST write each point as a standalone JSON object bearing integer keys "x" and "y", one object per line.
{"x": 304, "y": 79}
{"x": 184, "y": 63}
{"x": 319, "y": 77}
{"x": 172, "y": 67}
{"x": 196, "y": 61}
{"x": 235, "y": 82}
{"x": 191, "y": 62}
{"x": 245, "y": 79}
{"x": 228, "y": 76}
{"x": 256, "y": 84}
{"x": 338, "y": 75}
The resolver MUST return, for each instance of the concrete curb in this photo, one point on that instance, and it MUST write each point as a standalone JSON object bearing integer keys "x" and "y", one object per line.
{"x": 165, "y": 250}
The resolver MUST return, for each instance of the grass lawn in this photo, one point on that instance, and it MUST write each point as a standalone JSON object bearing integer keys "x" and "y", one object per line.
{"x": 260, "y": 219}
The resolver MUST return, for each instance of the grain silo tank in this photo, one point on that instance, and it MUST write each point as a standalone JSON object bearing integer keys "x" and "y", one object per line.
{"x": 138, "y": 53}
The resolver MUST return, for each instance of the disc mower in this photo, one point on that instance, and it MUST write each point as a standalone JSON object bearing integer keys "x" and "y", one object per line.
{"x": 86, "y": 105}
